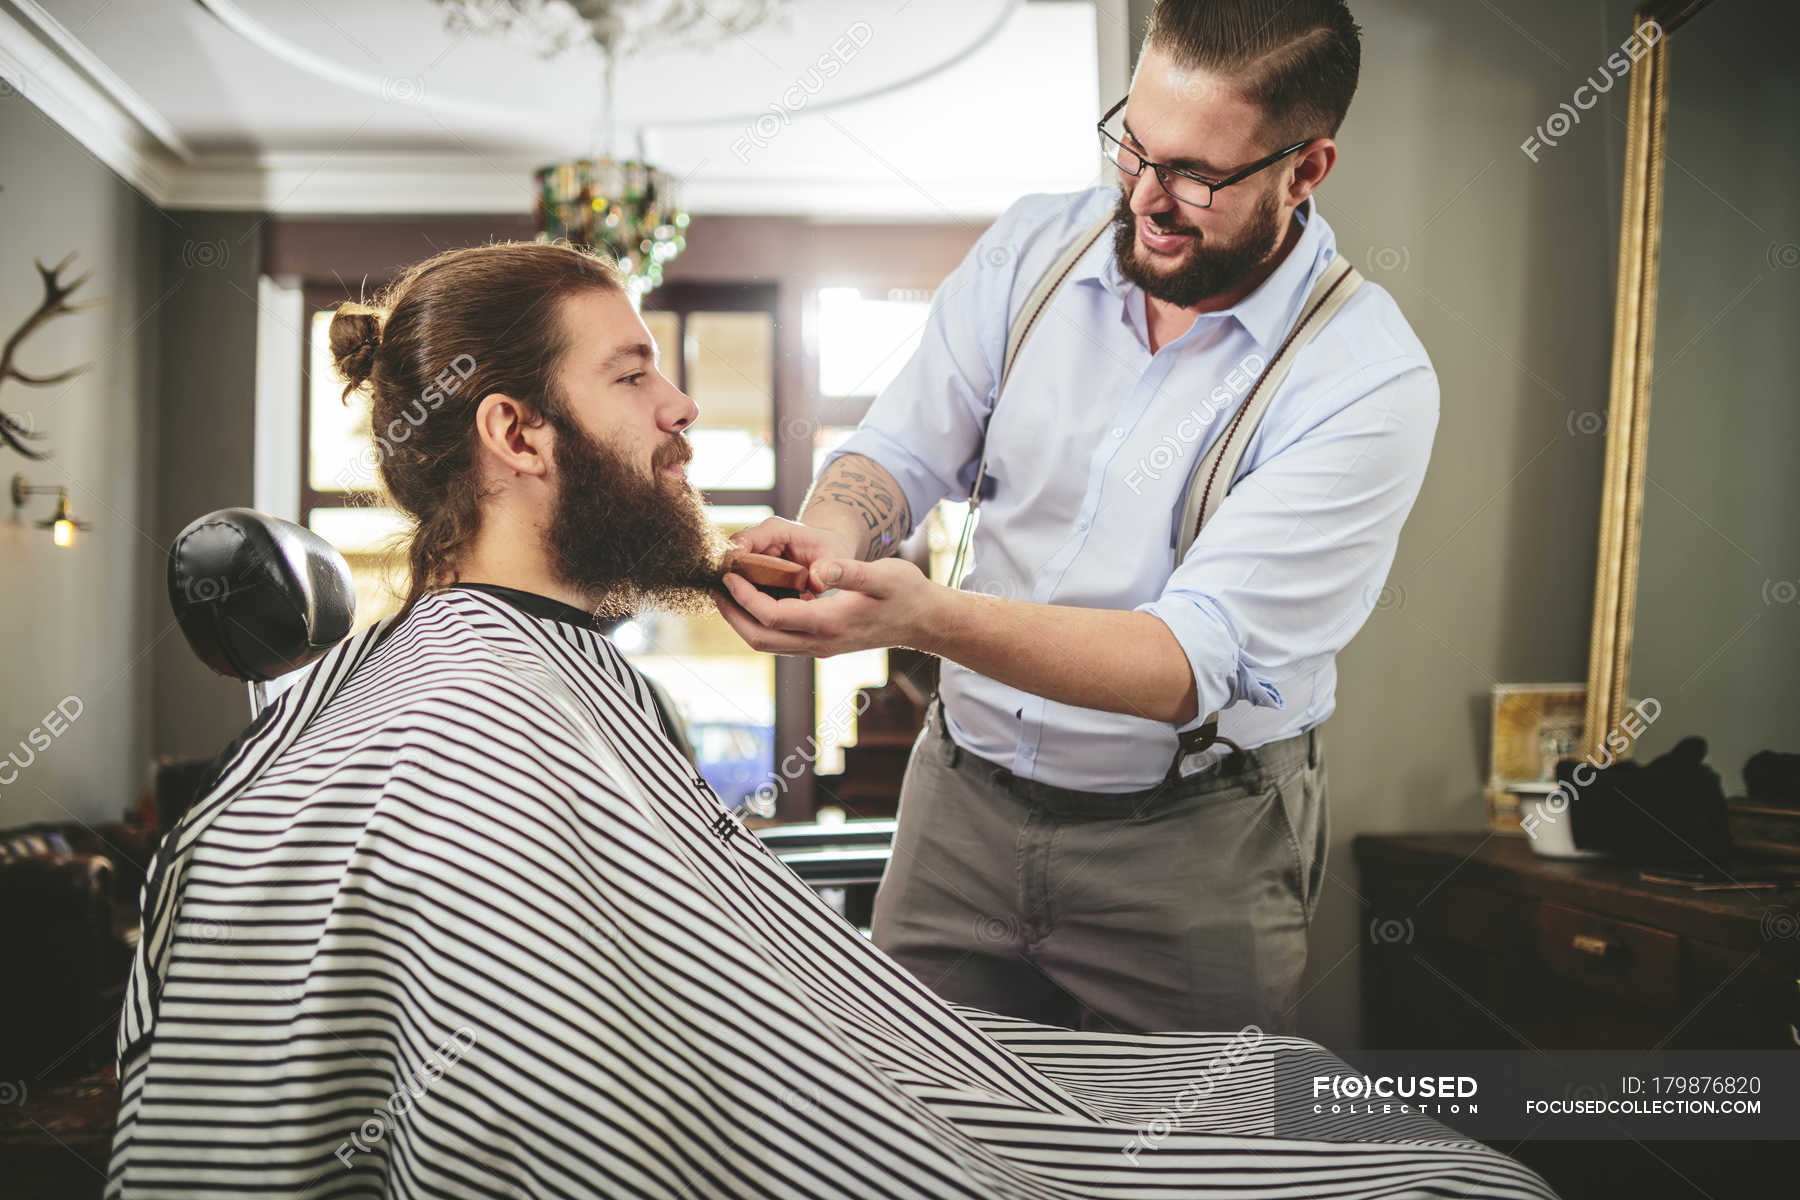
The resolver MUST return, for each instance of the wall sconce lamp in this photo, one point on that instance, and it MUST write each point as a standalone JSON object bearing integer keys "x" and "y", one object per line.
{"x": 63, "y": 525}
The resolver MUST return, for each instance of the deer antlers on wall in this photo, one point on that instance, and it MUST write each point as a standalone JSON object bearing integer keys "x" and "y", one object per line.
{"x": 14, "y": 431}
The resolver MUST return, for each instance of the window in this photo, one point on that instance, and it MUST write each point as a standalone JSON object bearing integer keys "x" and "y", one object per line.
{"x": 730, "y": 372}
{"x": 864, "y": 342}
{"x": 339, "y": 488}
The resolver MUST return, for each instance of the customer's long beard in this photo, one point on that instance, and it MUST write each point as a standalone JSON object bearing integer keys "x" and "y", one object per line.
{"x": 628, "y": 542}
{"x": 1207, "y": 269}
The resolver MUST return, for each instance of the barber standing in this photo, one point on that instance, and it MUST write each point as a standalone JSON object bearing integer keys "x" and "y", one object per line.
{"x": 1078, "y": 844}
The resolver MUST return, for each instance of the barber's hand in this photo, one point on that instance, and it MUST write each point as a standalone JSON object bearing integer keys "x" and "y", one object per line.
{"x": 856, "y": 606}
{"x": 791, "y": 540}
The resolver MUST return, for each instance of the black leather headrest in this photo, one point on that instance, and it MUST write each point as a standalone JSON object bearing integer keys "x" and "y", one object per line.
{"x": 256, "y": 596}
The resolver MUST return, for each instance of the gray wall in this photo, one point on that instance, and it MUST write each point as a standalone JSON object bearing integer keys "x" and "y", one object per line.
{"x": 158, "y": 432}
{"x": 1505, "y": 269}
{"x": 77, "y": 622}
{"x": 206, "y": 418}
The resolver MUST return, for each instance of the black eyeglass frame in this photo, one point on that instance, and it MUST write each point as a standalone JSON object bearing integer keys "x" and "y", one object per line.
{"x": 1163, "y": 170}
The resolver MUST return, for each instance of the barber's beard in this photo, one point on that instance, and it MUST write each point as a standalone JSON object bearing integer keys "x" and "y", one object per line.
{"x": 1207, "y": 268}
{"x": 628, "y": 542}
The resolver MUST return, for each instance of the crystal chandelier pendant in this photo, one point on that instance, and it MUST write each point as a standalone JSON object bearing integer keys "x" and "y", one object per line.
{"x": 627, "y": 209}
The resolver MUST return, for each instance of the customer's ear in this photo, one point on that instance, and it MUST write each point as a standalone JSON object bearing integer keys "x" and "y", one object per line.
{"x": 512, "y": 437}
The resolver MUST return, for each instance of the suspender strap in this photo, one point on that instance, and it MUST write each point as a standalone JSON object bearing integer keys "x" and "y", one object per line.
{"x": 1216, "y": 471}
{"x": 1022, "y": 325}
{"x": 1214, "y": 474}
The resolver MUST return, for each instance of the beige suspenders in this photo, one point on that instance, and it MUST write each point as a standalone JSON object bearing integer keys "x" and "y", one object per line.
{"x": 1216, "y": 471}
{"x": 1022, "y": 325}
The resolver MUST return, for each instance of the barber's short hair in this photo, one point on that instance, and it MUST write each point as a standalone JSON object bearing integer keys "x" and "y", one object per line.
{"x": 1296, "y": 59}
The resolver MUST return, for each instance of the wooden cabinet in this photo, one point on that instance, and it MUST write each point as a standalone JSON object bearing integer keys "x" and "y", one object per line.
{"x": 1470, "y": 941}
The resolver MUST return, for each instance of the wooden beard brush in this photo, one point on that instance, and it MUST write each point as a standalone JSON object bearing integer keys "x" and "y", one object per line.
{"x": 776, "y": 576}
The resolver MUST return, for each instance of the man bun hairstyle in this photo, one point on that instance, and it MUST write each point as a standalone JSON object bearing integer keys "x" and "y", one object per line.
{"x": 355, "y": 334}
{"x": 452, "y": 329}
{"x": 1297, "y": 60}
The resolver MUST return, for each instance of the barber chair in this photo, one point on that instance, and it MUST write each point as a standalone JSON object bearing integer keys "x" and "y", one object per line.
{"x": 258, "y": 598}
{"x": 842, "y": 862}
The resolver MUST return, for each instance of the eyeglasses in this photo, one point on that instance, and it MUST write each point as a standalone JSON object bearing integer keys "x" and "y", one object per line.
{"x": 1183, "y": 185}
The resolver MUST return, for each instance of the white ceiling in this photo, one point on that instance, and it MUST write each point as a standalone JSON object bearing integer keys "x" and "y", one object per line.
{"x": 899, "y": 109}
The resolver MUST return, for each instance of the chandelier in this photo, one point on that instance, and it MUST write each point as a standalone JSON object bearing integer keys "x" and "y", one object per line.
{"x": 628, "y": 208}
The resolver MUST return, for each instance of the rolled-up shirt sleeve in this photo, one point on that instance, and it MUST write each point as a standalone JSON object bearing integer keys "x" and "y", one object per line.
{"x": 1292, "y": 563}
{"x": 926, "y": 426}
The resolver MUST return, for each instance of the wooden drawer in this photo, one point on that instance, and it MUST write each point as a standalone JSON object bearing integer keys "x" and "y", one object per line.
{"x": 1621, "y": 958}
{"x": 1490, "y": 920}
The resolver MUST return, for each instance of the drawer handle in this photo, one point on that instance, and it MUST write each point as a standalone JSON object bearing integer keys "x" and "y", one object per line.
{"x": 1587, "y": 943}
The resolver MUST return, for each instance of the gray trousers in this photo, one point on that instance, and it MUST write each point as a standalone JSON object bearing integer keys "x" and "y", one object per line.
{"x": 1181, "y": 907}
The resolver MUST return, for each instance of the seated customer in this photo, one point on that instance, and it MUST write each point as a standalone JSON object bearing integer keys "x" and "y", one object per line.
{"x": 454, "y": 918}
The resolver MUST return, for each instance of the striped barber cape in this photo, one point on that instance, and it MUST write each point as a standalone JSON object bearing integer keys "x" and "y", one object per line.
{"x": 453, "y": 918}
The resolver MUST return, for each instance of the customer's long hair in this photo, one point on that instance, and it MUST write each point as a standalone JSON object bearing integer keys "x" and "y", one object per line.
{"x": 451, "y": 330}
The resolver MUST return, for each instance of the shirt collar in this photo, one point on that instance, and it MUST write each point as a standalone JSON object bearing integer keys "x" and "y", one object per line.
{"x": 1266, "y": 313}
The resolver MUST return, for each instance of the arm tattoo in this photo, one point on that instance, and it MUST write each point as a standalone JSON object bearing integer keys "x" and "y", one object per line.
{"x": 860, "y": 485}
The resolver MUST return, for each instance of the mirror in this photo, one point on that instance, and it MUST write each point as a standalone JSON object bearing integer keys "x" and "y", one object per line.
{"x": 1698, "y": 590}
{"x": 1718, "y": 618}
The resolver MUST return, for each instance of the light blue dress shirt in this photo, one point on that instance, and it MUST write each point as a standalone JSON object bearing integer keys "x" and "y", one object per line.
{"x": 1090, "y": 452}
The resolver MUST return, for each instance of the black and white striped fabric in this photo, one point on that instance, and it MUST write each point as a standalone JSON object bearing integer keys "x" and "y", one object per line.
{"x": 454, "y": 920}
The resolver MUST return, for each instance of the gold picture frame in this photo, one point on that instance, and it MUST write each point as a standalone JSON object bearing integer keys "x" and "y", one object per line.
{"x": 1628, "y": 409}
